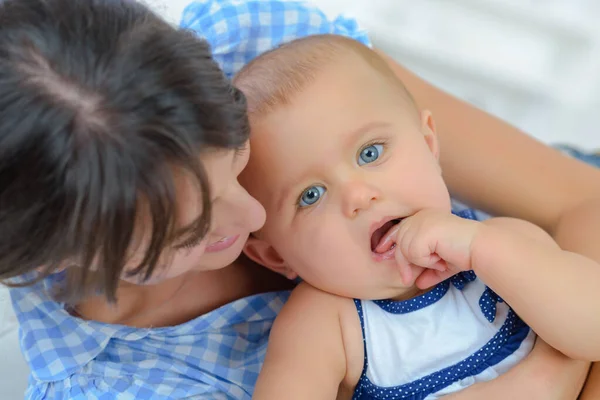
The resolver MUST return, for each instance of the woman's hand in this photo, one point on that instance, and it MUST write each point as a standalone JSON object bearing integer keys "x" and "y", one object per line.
{"x": 545, "y": 374}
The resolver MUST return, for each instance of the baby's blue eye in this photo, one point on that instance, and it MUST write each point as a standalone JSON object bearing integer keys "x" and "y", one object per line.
{"x": 311, "y": 195}
{"x": 370, "y": 154}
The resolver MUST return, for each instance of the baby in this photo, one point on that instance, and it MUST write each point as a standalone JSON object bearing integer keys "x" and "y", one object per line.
{"x": 347, "y": 169}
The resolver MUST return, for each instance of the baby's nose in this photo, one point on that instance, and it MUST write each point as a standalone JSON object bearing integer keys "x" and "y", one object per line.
{"x": 358, "y": 197}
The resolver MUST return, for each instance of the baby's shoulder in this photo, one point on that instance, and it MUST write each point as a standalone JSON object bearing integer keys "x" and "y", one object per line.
{"x": 308, "y": 302}
{"x": 309, "y": 299}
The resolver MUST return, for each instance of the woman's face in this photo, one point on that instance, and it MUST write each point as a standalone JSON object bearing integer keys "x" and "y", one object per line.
{"x": 234, "y": 215}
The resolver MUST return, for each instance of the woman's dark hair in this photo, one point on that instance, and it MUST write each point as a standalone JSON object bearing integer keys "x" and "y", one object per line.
{"x": 100, "y": 100}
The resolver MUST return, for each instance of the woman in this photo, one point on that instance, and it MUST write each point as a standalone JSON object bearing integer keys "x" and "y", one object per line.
{"x": 120, "y": 145}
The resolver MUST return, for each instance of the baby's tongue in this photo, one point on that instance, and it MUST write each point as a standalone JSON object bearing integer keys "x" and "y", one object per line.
{"x": 388, "y": 239}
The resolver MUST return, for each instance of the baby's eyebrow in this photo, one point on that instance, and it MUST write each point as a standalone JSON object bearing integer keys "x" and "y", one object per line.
{"x": 355, "y": 135}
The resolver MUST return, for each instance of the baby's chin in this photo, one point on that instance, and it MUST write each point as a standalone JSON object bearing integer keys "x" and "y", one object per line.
{"x": 370, "y": 291}
{"x": 393, "y": 289}
{"x": 407, "y": 293}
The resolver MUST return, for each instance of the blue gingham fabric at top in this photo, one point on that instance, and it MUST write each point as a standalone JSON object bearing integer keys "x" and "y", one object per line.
{"x": 239, "y": 30}
{"x": 215, "y": 356}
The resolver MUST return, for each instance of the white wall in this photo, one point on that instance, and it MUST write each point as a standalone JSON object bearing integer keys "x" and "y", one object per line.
{"x": 535, "y": 63}
{"x": 171, "y": 10}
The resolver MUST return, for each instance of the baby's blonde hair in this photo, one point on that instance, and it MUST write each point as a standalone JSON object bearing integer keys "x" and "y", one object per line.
{"x": 275, "y": 77}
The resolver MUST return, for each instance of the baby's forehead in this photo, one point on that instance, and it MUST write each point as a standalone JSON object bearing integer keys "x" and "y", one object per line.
{"x": 274, "y": 77}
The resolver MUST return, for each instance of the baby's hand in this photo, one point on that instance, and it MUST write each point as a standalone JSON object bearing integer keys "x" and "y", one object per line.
{"x": 437, "y": 241}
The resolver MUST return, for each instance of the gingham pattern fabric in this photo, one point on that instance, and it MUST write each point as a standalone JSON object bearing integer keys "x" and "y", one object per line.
{"x": 239, "y": 30}
{"x": 215, "y": 356}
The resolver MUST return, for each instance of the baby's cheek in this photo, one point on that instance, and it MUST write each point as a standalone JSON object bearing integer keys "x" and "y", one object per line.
{"x": 306, "y": 244}
{"x": 319, "y": 243}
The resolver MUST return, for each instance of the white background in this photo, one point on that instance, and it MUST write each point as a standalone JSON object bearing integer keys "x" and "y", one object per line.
{"x": 535, "y": 63}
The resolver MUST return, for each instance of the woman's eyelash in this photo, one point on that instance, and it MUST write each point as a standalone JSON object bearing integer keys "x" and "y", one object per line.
{"x": 190, "y": 243}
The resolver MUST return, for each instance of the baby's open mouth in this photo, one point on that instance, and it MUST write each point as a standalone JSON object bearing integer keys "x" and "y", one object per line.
{"x": 382, "y": 239}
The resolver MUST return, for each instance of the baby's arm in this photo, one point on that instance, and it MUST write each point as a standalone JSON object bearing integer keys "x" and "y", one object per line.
{"x": 305, "y": 356}
{"x": 554, "y": 291}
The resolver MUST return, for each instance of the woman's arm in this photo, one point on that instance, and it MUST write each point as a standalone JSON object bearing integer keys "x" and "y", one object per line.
{"x": 578, "y": 232}
{"x": 515, "y": 175}
{"x": 591, "y": 391}
{"x": 545, "y": 374}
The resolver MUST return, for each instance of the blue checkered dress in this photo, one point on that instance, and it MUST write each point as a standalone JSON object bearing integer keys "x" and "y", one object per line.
{"x": 239, "y": 30}
{"x": 215, "y": 356}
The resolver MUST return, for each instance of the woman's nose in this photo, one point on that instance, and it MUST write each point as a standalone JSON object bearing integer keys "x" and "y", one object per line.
{"x": 240, "y": 209}
{"x": 253, "y": 214}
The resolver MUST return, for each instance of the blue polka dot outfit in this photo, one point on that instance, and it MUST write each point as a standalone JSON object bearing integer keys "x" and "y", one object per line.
{"x": 457, "y": 334}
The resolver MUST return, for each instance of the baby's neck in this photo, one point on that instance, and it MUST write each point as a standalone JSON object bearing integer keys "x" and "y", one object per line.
{"x": 183, "y": 298}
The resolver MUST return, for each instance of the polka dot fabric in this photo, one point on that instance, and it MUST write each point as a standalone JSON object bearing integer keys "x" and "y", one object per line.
{"x": 487, "y": 302}
{"x": 503, "y": 344}
{"x": 414, "y": 304}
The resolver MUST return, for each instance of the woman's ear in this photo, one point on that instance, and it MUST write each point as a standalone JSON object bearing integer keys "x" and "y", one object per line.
{"x": 264, "y": 254}
{"x": 428, "y": 129}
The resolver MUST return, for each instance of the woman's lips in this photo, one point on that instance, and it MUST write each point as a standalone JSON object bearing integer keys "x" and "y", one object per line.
{"x": 222, "y": 244}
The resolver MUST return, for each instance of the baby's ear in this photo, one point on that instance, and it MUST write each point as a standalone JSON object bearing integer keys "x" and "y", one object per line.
{"x": 264, "y": 254}
{"x": 428, "y": 129}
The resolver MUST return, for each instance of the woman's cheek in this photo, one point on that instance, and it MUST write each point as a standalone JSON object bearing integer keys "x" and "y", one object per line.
{"x": 171, "y": 264}
{"x": 186, "y": 260}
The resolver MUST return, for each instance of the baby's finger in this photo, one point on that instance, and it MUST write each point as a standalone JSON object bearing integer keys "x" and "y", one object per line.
{"x": 431, "y": 277}
{"x": 406, "y": 273}
{"x": 403, "y": 267}
{"x": 440, "y": 265}
{"x": 431, "y": 261}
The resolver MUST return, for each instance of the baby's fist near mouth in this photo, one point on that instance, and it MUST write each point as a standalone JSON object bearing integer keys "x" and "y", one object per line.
{"x": 435, "y": 240}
